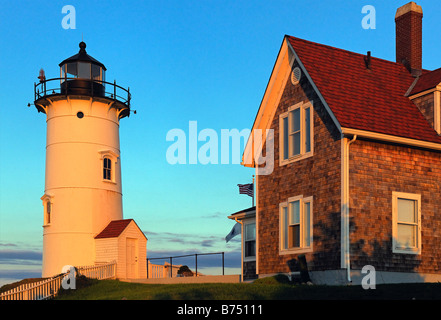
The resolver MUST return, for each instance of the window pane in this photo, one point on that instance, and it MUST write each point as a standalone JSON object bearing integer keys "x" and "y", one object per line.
{"x": 307, "y": 130}
{"x": 250, "y": 248}
{"x": 294, "y": 236}
{"x": 294, "y": 212}
{"x": 285, "y": 227}
{"x": 250, "y": 231}
{"x": 63, "y": 72}
{"x": 306, "y": 224}
{"x": 285, "y": 138}
{"x": 96, "y": 72}
{"x": 296, "y": 143}
{"x": 406, "y": 236}
{"x": 71, "y": 70}
{"x": 406, "y": 210}
{"x": 295, "y": 118}
{"x": 83, "y": 70}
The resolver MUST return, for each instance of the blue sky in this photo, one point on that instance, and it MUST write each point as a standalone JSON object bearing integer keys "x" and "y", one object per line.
{"x": 207, "y": 61}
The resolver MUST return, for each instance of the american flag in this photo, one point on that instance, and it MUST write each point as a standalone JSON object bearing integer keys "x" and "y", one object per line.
{"x": 246, "y": 189}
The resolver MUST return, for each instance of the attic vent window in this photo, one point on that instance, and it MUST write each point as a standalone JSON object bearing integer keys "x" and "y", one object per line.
{"x": 295, "y": 75}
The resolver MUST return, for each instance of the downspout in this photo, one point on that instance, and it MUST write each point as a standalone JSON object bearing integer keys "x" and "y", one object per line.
{"x": 346, "y": 202}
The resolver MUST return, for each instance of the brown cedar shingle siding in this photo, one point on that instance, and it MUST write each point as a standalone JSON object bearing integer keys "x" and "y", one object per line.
{"x": 426, "y": 105}
{"x": 377, "y": 169}
{"x": 317, "y": 176}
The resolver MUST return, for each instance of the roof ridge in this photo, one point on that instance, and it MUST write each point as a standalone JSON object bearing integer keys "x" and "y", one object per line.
{"x": 344, "y": 50}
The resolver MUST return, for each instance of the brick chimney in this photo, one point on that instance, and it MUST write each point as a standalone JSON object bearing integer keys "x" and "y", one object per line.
{"x": 409, "y": 37}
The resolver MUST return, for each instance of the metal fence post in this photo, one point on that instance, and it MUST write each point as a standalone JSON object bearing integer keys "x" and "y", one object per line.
{"x": 196, "y": 258}
{"x": 171, "y": 267}
{"x": 223, "y": 263}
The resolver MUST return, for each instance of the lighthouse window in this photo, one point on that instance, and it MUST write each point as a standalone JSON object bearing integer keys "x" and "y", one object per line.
{"x": 84, "y": 70}
{"x": 71, "y": 70}
{"x": 48, "y": 212}
{"x": 96, "y": 73}
{"x": 107, "y": 169}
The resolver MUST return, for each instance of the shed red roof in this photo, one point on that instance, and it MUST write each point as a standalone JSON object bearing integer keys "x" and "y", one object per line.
{"x": 114, "y": 229}
{"x": 361, "y": 98}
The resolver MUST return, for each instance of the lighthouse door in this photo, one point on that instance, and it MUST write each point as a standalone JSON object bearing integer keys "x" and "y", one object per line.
{"x": 131, "y": 258}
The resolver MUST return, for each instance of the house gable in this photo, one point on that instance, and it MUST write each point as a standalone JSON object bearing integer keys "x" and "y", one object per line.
{"x": 363, "y": 95}
{"x": 281, "y": 73}
{"x": 315, "y": 178}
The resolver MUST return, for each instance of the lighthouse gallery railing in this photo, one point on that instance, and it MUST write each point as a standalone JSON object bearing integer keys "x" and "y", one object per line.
{"x": 53, "y": 86}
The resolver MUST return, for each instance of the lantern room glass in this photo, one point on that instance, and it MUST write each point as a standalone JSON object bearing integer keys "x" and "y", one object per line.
{"x": 82, "y": 70}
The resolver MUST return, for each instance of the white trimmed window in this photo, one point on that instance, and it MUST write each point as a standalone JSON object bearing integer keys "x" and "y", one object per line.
{"x": 249, "y": 241}
{"x": 296, "y": 225}
{"x": 109, "y": 160}
{"x": 296, "y": 133}
{"x": 107, "y": 169}
{"x": 48, "y": 202}
{"x": 406, "y": 223}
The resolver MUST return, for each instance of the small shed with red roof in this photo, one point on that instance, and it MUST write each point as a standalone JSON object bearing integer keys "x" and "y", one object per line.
{"x": 124, "y": 242}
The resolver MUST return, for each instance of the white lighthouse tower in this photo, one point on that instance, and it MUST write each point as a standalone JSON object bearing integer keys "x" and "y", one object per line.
{"x": 83, "y": 192}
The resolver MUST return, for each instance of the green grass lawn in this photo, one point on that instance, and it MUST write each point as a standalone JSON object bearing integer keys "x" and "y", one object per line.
{"x": 270, "y": 289}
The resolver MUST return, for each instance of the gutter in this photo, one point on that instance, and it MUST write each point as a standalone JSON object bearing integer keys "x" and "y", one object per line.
{"x": 393, "y": 139}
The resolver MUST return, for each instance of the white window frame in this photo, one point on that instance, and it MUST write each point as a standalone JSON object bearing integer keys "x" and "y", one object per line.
{"x": 114, "y": 161}
{"x": 47, "y": 215}
{"x": 303, "y": 153}
{"x": 395, "y": 222}
{"x": 303, "y": 248}
{"x": 245, "y": 224}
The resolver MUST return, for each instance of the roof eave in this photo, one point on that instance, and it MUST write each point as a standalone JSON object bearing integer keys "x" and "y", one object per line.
{"x": 391, "y": 138}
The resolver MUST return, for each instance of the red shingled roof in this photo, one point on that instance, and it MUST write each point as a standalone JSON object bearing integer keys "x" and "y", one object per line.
{"x": 114, "y": 229}
{"x": 365, "y": 99}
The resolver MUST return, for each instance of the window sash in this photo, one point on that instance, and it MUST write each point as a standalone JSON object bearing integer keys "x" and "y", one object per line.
{"x": 296, "y": 131}
{"x": 250, "y": 231}
{"x": 48, "y": 211}
{"x": 307, "y": 129}
{"x": 250, "y": 248}
{"x": 107, "y": 169}
{"x": 406, "y": 235}
{"x": 296, "y": 224}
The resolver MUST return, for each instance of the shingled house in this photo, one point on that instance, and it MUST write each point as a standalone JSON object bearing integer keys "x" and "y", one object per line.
{"x": 357, "y": 162}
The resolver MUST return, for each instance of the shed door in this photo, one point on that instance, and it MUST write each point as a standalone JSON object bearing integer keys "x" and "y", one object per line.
{"x": 131, "y": 258}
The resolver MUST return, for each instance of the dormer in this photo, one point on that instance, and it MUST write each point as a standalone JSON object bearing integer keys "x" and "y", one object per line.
{"x": 425, "y": 93}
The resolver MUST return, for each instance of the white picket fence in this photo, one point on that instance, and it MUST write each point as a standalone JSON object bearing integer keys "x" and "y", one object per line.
{"x": 49, "y": 288}
{"x": 162, "y": 271}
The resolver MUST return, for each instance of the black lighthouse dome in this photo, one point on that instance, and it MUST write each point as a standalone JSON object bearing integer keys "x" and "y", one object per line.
{"x": 82, "y": 74}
